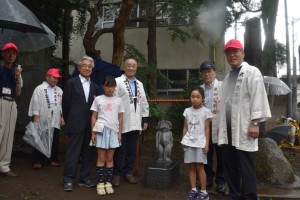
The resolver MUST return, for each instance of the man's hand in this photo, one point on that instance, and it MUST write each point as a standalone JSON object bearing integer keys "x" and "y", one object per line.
{"x": 36, "y": 118}
{"x": 145, "y": 126}
{"x": 253, "y": 131}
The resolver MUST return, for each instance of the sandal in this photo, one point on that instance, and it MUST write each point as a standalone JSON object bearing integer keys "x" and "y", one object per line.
{"x": 108, "y": 188}
{"x": 100, "y": 189}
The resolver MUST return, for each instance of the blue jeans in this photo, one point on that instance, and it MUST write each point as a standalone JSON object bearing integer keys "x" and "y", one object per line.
{"x": 126, "y": 152}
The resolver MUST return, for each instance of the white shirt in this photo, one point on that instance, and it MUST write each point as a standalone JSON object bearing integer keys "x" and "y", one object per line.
{"x": 40, "y": 105}
{"x": 249, "y": 102}
{"x": 195, "y": 136}
{"x": 86, "y": 86}
{"x": 132, "y": 117}
{"x": 108, "y": 109}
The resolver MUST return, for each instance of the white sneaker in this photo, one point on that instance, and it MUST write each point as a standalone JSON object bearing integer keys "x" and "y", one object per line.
{"x": 108, "y": 188}
{"x": 100, "y": 189}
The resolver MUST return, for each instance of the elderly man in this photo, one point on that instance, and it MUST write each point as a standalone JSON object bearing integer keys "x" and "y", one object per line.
{"x": 133, "y": 96}
{"x": 78, "y": 96}
{"x": 10, "y": 88}
{"x": 244, "y": 105}
{"x": 45, "y": 109}
{"x": 212, "y": 88}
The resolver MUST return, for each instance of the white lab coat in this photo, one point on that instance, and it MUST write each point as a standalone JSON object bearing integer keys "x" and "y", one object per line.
{"x": 39, "y": 105}
{"x": 249, "y": 102}
{"x": 215, "y": 108}
{"x": 132, "y": 119}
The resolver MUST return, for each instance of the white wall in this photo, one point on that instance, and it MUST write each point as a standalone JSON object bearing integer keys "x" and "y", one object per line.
{"x": 170, "y": 55}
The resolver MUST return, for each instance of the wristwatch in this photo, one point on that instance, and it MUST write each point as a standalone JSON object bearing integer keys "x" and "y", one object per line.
{"x": 255, "y": 123}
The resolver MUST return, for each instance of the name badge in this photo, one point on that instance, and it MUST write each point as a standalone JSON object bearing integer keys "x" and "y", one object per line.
{"x": 6, "y": 90}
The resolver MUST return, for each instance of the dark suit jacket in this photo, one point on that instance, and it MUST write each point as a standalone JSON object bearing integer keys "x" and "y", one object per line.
{"x": 76, "y": 110}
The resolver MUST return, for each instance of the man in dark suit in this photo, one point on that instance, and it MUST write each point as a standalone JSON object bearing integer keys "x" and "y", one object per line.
{"x": 78, "y": 96}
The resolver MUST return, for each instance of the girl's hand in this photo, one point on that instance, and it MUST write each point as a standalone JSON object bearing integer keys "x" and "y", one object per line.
{"x": 93, "y": 138}
{"x": 120, "y": 138}
{"x": 205, "y": 150}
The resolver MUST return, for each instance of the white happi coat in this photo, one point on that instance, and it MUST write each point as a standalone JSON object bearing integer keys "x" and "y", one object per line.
{"x": 132, "y": 119}
{"x": 39, "y": 105}
{"x": 215, "y": 108}
{"x": 249, "y": 102}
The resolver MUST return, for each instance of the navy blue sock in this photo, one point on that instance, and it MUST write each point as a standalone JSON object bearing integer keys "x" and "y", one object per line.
{"x": 101, "y": 174}
{"x": 109, "y": 173}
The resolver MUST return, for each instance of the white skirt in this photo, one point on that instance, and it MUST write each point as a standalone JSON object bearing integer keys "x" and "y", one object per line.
{"x": 108, "y": 139}
{"x": 194, "y": 155}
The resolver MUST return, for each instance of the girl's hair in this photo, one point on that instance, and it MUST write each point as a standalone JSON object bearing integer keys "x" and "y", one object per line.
{"x": 199, "y": 89}
{"x": 109, "y": 81}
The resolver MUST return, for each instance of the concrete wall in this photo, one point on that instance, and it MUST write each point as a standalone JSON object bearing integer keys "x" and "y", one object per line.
{"x": 34, "y": 66}
{"x": 170, "y": 55}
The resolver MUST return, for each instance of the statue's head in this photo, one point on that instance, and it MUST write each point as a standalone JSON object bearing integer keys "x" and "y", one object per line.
{"x": 164, "y": 125}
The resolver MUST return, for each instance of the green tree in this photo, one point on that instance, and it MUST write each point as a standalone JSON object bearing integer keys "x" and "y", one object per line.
{"x": 56, "y": 14}
{"x": 268, "y": 10}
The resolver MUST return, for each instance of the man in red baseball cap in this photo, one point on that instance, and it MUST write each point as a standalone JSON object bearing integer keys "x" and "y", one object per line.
{"x": 45, "y": 106}
{"x": 233, "y": 43}
{"x": 244, "y": 104}
{"x": 10, "y": 88}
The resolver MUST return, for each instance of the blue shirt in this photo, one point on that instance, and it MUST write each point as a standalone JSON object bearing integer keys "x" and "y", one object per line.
{"x": 208, "y": 92}
{"x": 132, "y": 85}
{"x": 7, "y": 80}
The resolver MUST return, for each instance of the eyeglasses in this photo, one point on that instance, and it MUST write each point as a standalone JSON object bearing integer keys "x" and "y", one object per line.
{"x": 131, "y": 65}
{"x": 86, "y": 66}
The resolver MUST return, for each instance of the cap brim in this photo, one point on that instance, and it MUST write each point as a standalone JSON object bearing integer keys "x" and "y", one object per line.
{"x": 13, "y": 48}
{"x": 56, "y": 76}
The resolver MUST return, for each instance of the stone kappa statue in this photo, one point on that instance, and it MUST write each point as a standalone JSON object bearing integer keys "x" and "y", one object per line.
{"x": 164, "y": 141}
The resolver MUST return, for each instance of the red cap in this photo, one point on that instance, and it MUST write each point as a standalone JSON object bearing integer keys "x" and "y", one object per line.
{"x": 10, "y": 45}
{"x": 233, "y": 43}
{"x": 54, "y": 72}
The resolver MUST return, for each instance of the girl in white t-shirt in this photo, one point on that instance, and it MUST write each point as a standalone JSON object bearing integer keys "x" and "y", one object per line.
{"x": 195, "y": 141}
{"x": 106, "y": 126}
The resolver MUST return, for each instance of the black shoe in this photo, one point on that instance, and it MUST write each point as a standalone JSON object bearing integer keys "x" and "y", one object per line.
{"x": 88, "y": 183}
{"x": 68, "y": 187}
{"x": 221, "y": 189}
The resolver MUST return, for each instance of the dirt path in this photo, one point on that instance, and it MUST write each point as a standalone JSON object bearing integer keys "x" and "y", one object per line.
{"x": 46, "y": 183}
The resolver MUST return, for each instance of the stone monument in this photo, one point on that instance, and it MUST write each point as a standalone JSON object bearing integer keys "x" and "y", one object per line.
{"x": 164, "y": 172}
{"x": 164, "y": 141}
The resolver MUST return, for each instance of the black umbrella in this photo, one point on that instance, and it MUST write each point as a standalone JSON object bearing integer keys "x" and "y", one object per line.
{"x": 28, "y": 41}
{"x": 14, "y": 15}
{"x": 279, "y": 132}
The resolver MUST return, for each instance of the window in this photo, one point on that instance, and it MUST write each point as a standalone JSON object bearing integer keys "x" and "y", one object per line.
{"x": 177, "y": 81}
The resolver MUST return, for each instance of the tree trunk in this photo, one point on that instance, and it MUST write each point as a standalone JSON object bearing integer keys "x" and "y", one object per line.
{"x": 269, "y": 12}
{"x": 152, "y": 52}
{"x": 89, "y": 40}
{"x": 119, "y": 30}
{"x": 252, "y": 37}
{"x": 67, "y": 28}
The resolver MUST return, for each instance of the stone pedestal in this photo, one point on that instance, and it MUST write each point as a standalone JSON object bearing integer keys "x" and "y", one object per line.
{"x": 161, "y": 175}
